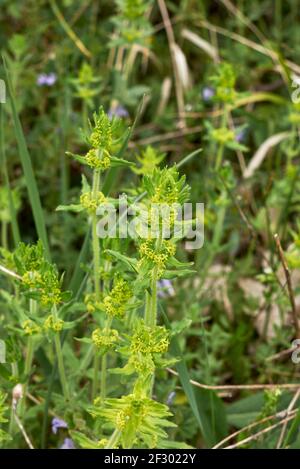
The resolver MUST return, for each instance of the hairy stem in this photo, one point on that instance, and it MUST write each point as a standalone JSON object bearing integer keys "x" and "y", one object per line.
{"x": 96, "y": 266}
{"x": 4, "y": 234}
{"x": 29, "y": 357}
{"x": 95, "y": 240}
{"x": 114, "y": 439}
{"x": 95, "y": 384}
{"x": 60, "y": 361}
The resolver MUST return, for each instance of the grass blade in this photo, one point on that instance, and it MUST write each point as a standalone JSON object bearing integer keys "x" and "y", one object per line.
{"x": 13, "y": 215}
{"x": 31, "y": 184}
{"x": 198, "y": 410}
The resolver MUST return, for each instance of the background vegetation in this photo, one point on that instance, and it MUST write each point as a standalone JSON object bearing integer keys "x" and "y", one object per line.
{"x": 183, "y": 75}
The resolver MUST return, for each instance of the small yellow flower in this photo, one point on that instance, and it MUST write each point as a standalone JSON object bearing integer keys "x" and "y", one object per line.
{"x": 91, "y": 202}
{"x": 95, "y": 161}
{"x": 30, "y": 328}
{"x": 53, "y": 323}
{"x": 105, "y": 338}
{"x": 116, "y": 302}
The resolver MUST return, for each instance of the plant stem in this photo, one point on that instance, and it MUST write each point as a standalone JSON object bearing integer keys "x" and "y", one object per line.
{"x": 4, "y": 234}
{"x": 96, "y": 266}
{"x": 86, "y": 360}
{"x": 61, "y": 367}
{"x": 151, "y": 299}
{"x": 29, "y": 357}
{"x": 95, "y": 240}
{"x": 114, "y": 439}
{"x": 15, "y": 373}
{"x": 96, "y": 375}
{"x": 219, "y": 157}
{"x": 60, "y": 361}
{"x": 153, "y": 307}
{"x": 104, "y": 363}
{"x": 147, "y": 315}
{"x": 103, "y": 375}
{"x": 151, "y": 303}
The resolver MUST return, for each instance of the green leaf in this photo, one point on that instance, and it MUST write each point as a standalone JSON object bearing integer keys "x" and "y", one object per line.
{"x": 4, "y": 373}
{"x": 246, "y": 410}
{"x": 70, "y": 208}
{"x": 169, "y": 444}
{"x": 3, "y": 163}
{"x": 214, "y": 415}
{"x": 83, "y": 441}
{"x": 169, "y": 274}
{"x": 129, "y": 262}
{"x": 79, "y": 158}
{"x": 115, "y": 162}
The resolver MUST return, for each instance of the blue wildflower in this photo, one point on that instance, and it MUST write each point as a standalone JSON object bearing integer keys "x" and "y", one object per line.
{"x": 240, "y": 136}
{"x": 58, "y": 423}
{"x": 67, "y": 444}
{"x": 208, "y": 93}
{"x": 171, "y": 398}
{"x": 165, "y": 288}
{"x": 118, "y": 111}
{"x": 45, "y": 79}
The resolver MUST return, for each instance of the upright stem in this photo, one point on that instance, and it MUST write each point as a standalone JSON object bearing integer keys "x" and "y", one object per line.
{"x": 61, "y": 368}
{"x": 96, "y": 375}
{"x": 114, "y": 439}
{"x": 104, "y": 363}
{"x": 4, "y": 234}
{"x": 15, "y": 372}
{"x": 86, "y": 360}
{"x": 95, "y": 240}
{"x": 151, "y": 303}
{"x": 224, "y": 121}
{"x": 103, "y": 375}
{"x": 29, "y": 357}
{"x": 96, "y": 266}
{"x": 151, "y": 299}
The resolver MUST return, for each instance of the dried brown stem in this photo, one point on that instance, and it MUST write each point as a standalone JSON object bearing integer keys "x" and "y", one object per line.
{"x": 289, "y": 285}
{"x": 289, "y": 409}
{"x": 254, "y": 424}
{"x": 172, "y": 44}
{"x": 236, "y": 387}
{"x": 262, "y": 432}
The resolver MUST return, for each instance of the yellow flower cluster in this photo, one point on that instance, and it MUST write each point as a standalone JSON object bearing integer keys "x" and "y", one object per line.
{"x": 91, "y": 304}
{"x": 148, "y": 340}
{"x": 223, "y": 135}
{"x": 142, "y": 364}
{"x": 165, "y": 195}
{"x": 31, "y": 279}
{"x": 30, "y": 328}
{"x": 46, "y": 284}
{"x": 122, "y": 418}
{"x": 105, "y": 338}
{"x": 94, "y": 160}
{"x": 91, "y": 202}
{"x": 115, "y": 303}
{"x": 53, "y": 323}
{"x": 158, "y": 257}
{"x": 101, "y": 136}
{"x": 102, "y": 443}
{"x": 52, "y": 297}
